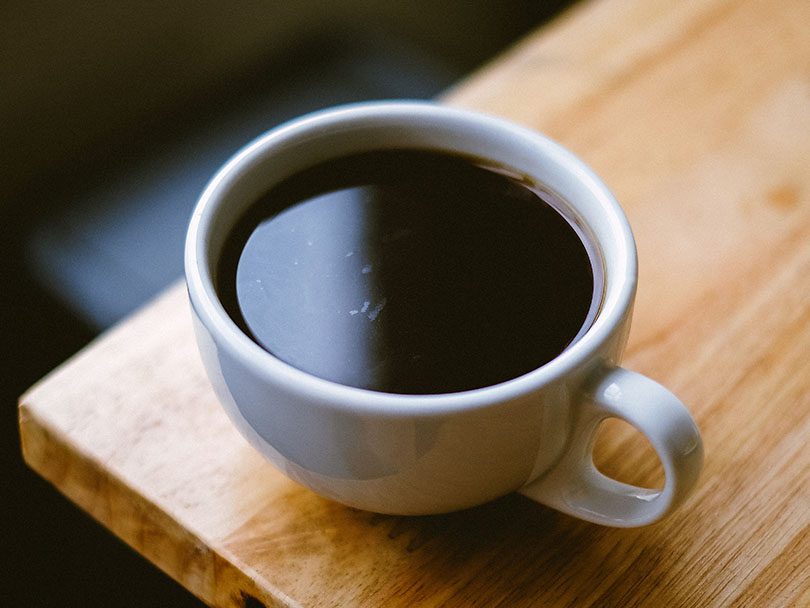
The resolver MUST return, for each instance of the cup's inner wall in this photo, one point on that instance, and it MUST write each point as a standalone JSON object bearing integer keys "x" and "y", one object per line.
{"x": 289, "y": 151}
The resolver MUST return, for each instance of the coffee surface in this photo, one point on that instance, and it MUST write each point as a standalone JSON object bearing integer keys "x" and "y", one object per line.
{"x": 407, "y": 271}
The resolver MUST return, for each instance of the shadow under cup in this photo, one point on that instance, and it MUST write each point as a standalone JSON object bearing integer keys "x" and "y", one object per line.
{"x": 410, "y": 271}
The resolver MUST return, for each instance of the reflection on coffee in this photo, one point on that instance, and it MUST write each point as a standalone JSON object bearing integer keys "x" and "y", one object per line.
{"x": 407, "y": 271}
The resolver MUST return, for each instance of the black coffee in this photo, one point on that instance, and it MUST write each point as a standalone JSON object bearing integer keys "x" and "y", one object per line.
{"x": 407, "y": 271}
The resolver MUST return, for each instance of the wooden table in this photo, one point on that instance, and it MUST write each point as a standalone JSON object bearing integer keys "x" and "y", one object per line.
{"x": 697, "y": 114}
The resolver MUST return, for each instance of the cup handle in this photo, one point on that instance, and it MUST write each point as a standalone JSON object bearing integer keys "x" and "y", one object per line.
{"x": 575, "y": 486}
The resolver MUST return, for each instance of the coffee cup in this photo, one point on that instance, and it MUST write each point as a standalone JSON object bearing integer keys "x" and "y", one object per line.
{"x": 415, "y": 454}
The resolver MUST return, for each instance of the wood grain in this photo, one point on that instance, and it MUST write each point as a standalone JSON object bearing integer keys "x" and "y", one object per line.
{"x": 697, "y": 114}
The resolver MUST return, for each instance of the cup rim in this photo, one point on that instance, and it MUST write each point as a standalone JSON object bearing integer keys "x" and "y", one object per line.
{"x": 620, "y": 281}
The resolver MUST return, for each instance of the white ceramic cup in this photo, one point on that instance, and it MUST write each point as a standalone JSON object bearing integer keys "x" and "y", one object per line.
{"x": 420, "y": 454}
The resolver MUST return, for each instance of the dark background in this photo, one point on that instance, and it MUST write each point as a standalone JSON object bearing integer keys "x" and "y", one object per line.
{"x": 111, "y": 120}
